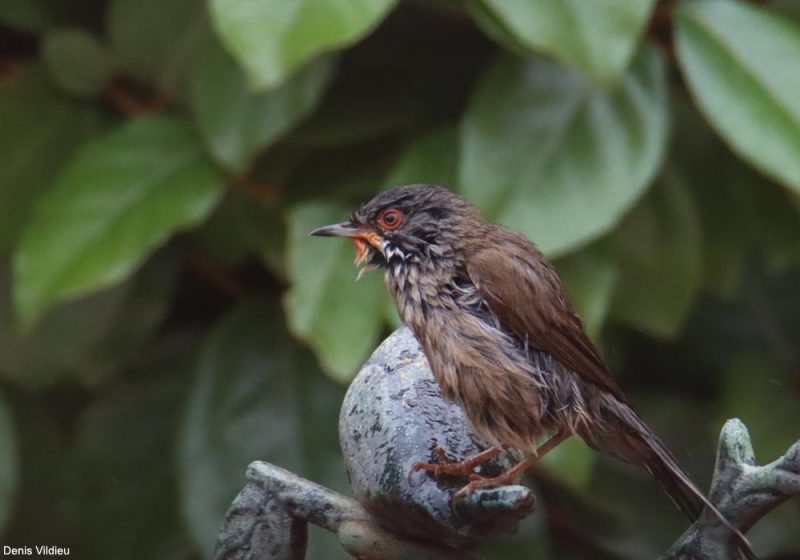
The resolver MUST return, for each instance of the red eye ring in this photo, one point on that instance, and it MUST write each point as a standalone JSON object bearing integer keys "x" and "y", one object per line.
{"x": 391, "y": 218}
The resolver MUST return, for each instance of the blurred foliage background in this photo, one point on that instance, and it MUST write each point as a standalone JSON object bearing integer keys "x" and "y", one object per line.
{"x": 165, "y": 318}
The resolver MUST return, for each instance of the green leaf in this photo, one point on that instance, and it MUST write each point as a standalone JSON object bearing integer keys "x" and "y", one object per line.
{"x": 658, "y": 249}
{"x": 590, "y": 279}
{"x": 335, "y": 315}
{"x": 352, "y": 172}
{"x": 431, "y": 159}
{"x": 40, "y": 443}
{"x": 530, "y": 541}
{"x": 494, "y": 27}
{"x": 37, "y": 16}
{"x": 77, "y": 62}
{"x": 733, "y": 56}
{"x": 84, "y": 340}
{"x": 572, "y": 462}
{"x": 36, "y": 121}
{"x": 238, "y": 123}
{"x": 598, "y": 38}
{"x": 705, "y": 163}
{"x": 356, "y": 112}
{"x": 242, "y": 227}
{"x": 31, "y": 15}
{"x": 251, "y": 400}
{"x": 755, "y": 390}
{"x": 119, "y": 198}
{"x": 788, "y": 8}
{"x": 556, "y": 158}
{"x": 272, "y": 38}
{"x": 8, "y": 463}
{"x": 130, "y": 431}
{"x": 734, "y": 207}
{"x": 732, "y": 199}
{"x": 154, "y": 41}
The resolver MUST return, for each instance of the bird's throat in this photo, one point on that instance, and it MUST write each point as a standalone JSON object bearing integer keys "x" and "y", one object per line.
{"x": 362, "y": 250}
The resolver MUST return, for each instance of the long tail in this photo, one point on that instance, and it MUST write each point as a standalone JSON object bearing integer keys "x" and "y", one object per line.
{"x": 663, "y": 466}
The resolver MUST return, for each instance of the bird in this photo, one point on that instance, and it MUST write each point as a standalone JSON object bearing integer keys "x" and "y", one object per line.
{"x": 503, "y": 339}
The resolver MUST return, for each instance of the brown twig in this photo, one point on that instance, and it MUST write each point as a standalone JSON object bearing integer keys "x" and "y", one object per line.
{"x": 122, "y": 99}
{"x": 9, "y": 66}
{"x": 660, "y": 28}
{"x": 262, "y": 191}
{"x": 218, "y": 276}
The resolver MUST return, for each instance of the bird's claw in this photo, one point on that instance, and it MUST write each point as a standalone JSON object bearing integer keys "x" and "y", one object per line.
{"x": 478, "y": 482}
{"x": 460, "y": 469}
{"x": 448, "y": 469}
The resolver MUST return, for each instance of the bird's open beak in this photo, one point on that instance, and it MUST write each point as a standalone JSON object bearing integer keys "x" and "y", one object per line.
{"x": 360, "y": 236}
{"x": 345, "y": 229}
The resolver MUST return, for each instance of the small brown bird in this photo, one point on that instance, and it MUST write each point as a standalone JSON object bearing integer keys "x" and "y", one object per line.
{"x": 502, "y": 338}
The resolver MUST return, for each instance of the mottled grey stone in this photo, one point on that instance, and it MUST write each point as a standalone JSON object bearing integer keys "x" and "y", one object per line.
{"x": 742, "y": 491}
{"x": 259, "y": 527}
{"x": 393, "y": 416}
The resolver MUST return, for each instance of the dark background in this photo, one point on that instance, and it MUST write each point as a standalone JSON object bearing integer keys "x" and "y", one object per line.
{"x": 165, "y": 318}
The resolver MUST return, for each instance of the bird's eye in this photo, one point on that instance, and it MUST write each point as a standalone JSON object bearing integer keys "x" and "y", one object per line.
{"x": 391, "y": 218}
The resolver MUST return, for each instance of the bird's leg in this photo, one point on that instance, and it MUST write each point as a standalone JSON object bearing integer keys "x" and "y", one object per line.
{"x": 512, "y": 474}
{"x": 463, "y": 469}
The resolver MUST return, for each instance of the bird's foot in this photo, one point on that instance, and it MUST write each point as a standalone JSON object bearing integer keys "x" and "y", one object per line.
{"x": 477, "y": 482}
{"x": 462, "y": 469}
{"x": 511, "y": 475}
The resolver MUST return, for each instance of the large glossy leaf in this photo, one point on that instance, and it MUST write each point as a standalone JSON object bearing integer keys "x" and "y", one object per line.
{"x": 401, "y": 80}
{"x": 154, "y": 40}
{"x": 732, "y": 199}
{"x": 572, "y": 462}
{"x": 590, "y": 279}
{"x": 32, "y": 15}
{"x": 709, "y": 170}
{"x": 335, "y": 315}
{"x": 242, "y": 227}
{"x": 431, "y": 159}
{"x": 735, "y": 229}
{"x": 494, "y": 27}
{"x": 238, "y": 123}
{"x": 36, "y": 16}
{"x": 547, "y": 153}
{"x": 272, "y": 38}
{"x": 658, "y": 249}
{"x": 122, "y": 466}
{"x": 734, "y": 56}
{"x": 36, "y": 121}
{"x": 8, "y": 462}
{"x": 598, "y": 38}
{"x": 789, "y": 8}
{"x": 254, "y": 398}
{"x": 84, "y": 340}
{"x": 120, "y": 197}
{"x": 39, "y": 443}
{"x": 77, "y": 61}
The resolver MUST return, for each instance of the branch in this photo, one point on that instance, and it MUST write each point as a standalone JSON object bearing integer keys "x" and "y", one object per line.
{"x": 742, "y": 491}
{"x": 268, "y": 521}
{"x": 392, "y": 417}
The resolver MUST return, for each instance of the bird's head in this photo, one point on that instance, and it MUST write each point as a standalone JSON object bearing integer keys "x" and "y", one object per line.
{"x": 403, "y": 223}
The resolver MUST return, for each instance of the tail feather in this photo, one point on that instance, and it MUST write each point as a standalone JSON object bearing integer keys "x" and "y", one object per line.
{"x": 685, "y": 499}
{"x": 668, "y": 473}
{"x": 686, "y": 495}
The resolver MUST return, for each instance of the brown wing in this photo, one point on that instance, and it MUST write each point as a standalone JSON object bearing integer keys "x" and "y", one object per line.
{"x": 527, "y": 295}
